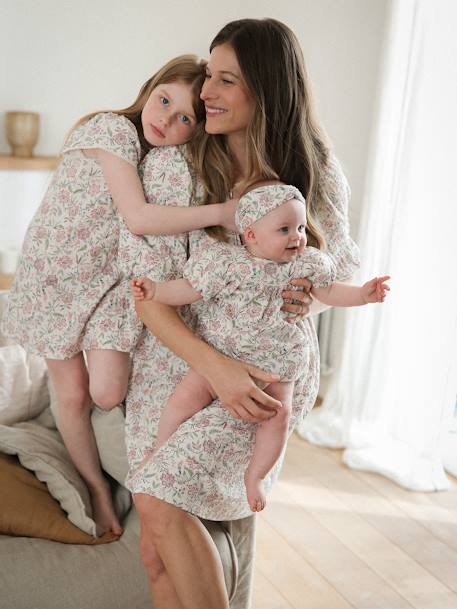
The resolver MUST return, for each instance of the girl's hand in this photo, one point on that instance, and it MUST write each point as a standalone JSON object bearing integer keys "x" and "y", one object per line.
{"x": 301, "y": 300}
{"x": 228, "y": 214}
{"x": 143, "y": 289}
{"x": 375, "y": 290}
{"x": 232, "y": 381}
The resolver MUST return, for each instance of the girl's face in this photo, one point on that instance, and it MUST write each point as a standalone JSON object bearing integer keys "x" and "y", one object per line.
{"x": 229, "y": 104}
{"x": 168, "y": 117}
{"x": 280, "y": 235}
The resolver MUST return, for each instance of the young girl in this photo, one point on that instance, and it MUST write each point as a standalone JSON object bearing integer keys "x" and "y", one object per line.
{"x": 69, "y": 296}
{"x": 241, "y": 317}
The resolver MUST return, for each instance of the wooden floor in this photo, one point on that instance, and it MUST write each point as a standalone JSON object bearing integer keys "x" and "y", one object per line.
{"x": 334, "y": 538}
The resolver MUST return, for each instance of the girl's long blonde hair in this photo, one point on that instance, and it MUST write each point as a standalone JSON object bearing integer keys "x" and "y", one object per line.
{"x": 284, "y": 140}
{"x": 188, "y": 69}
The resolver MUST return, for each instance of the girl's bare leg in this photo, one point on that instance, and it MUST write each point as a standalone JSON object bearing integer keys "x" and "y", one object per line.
{"x": 271, "y": 438}
{"x": 180, "y": 558}
{"x": 190, "y": 395}
{"x": 71, "y": 384}
{"x": 109, "y": 373}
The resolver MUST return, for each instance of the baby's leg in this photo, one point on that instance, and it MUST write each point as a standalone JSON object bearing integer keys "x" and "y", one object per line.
{"x": 70, "y": 381}
{"x": 191, "y": 395}
{"x": 109, "y": 373}
{"x": 270, "y": 440}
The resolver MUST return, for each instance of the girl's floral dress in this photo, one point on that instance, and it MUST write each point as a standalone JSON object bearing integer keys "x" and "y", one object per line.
{"x": 200, "y": 469}
{"x": 69, "y": 294}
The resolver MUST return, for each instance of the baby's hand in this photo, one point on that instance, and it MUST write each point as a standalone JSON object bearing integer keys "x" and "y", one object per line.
{"x": 376, "y": 289}
{"x": 143, "y": 289}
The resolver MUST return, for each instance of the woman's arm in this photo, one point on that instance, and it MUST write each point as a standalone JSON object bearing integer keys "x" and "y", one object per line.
{"x": 231, "y": 380}
{"x": 143, "y": 218}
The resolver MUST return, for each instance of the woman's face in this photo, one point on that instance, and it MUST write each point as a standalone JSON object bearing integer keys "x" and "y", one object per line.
{"x": 229, "y": 104}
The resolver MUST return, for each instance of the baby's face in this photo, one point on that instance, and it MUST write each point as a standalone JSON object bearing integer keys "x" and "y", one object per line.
{"x": 280, "y": 235}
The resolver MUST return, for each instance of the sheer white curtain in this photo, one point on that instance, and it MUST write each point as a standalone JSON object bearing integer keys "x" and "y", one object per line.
{"x": 396, "y": 385}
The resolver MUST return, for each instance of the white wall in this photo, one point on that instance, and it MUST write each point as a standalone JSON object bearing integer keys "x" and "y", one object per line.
{"x": 63, "y": 58}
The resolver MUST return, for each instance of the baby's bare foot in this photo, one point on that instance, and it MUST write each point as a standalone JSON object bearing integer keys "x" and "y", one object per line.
{"x": 255, "y": 492}
{"x": 103, "y": 511}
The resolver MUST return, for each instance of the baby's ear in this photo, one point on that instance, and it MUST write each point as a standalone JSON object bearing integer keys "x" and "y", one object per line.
{"x": 249, "y": 235}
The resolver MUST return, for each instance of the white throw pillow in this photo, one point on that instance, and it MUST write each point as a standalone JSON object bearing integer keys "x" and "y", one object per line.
{"x": 23, "y": 385}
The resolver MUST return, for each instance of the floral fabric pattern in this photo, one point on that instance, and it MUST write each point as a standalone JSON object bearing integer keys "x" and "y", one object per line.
{"x": 241, "y": 311}
{"x": 201, "y": 467}
{"x": 69, "y": 294}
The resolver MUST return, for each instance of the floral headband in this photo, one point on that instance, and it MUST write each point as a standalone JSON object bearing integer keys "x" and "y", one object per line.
{"x": 261, "y": 201}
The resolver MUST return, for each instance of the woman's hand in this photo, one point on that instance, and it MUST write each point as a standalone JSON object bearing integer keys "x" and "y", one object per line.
{"x": 228, "y": 214}
{"x": 301, "y": 300}
{"x": 232, "y": 381}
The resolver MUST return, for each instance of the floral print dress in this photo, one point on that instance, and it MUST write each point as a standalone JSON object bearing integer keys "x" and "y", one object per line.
{"x": 68, "y": 294}
{"x": 240, "y": 313}
{"x": 200, "y": 469}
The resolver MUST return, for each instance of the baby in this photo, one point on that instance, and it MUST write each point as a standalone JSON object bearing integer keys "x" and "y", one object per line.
{"x": 241, "y": 315}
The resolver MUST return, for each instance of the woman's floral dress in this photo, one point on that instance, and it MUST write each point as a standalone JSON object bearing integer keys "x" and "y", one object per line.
{"x": 200, "y": 469}
{"x": 240, "y": 314}
{"x": 68, "y": 294}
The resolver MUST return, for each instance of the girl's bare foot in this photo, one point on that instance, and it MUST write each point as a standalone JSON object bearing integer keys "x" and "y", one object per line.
{"x": 255, "y": 492}
{"x": 103, "y": 510}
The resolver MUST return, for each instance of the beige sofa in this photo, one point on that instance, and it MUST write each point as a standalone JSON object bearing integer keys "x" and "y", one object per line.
{"x": 37, "y": 573}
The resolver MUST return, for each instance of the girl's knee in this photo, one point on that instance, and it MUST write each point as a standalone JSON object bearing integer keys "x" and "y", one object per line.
{"x": 76, "y": 401}
{"x": 107, "y": 396}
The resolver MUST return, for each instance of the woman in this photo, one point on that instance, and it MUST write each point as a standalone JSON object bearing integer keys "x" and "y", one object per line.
{"x": 259, "y": 124}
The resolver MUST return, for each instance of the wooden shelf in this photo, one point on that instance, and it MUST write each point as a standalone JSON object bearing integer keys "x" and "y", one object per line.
{"x": 6, "y": 281}
{"x": 35, "y": 163}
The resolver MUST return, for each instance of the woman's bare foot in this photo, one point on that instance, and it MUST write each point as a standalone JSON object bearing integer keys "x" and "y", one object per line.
{"x": 103, "y": 510}
{"x": 255, "y": 492}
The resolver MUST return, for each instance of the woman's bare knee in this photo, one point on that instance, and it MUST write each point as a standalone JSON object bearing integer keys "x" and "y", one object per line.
{"x": 151, "y": 560}
{"x": 157, "y": 516}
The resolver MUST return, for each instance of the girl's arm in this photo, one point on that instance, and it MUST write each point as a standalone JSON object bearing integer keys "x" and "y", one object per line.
{"x": 176, "y": 292}
{"x": 342, "y": 295}
{"x": 231, "y": 380}
{"x": 143, "y": 218}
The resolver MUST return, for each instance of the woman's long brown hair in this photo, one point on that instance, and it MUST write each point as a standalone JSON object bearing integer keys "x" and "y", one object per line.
{"x": 284, "y": 139}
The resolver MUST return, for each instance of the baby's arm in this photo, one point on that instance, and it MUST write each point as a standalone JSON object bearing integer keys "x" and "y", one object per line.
{"x": 176, "y": 292}
{"x": 343, "y": 295}
{"x": 143, "y": 218}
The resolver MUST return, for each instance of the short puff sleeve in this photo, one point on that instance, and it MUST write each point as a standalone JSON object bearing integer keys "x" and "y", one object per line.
{"x": 316, "y": 266}
{"x": 334, "y": 221}
{"x": 108, "y": 131}
{"x": 213, "y": 270}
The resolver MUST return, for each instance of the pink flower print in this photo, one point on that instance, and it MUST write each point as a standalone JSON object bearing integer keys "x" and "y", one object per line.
{"x": 64, "y": 195}
{"x": 97, "y": 212}
{"x": 64, "y": 262}
{"x": 120, "y": 139}
{"x": 106, "y": 325}
{"x": 60, "y": 323}
{"x": 230, "y": 311}
{"x": 61, "y": 235}
{"x": 94, "y": 188}
{"x": 83, "y": 234}
{"x": 193, "y": 491}
{"x": 51, "y": 280}
{"x": 39, "y": 265}
{"x": 71, "y": 171}
{"x": 67, "y": 298}
{"x": 138, "y": 378}
{"x": 41, "y": 232}
{"x": 167, "y": 480}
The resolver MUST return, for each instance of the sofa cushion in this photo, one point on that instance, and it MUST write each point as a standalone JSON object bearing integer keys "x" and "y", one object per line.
{"x": 28, "y": 510}
{"x": 41, "y": 450}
